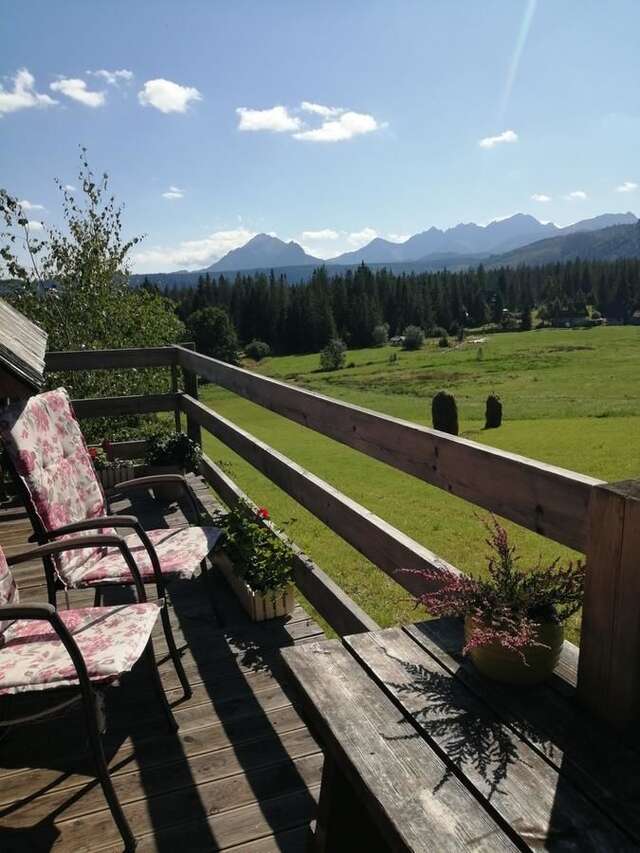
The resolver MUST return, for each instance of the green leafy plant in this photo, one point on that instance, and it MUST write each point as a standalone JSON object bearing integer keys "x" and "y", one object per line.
{"x": 260, "y": 558}
{"x": 175, "y": 449}
{"x": 334, "y": 355}
{"x": 413, "y": 338}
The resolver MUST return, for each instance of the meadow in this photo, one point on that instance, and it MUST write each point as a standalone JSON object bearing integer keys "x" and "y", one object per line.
{"x": 570, "y": 398}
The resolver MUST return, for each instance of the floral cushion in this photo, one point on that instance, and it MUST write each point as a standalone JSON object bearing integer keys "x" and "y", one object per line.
{"x": 180, "y": 551}
{"x": 110, "y": 639}
{"x": 8, "y": 591}
{"x": 47, "y": 448}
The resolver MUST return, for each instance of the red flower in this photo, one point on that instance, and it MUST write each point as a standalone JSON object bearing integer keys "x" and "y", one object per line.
{"x": 93, "y": 452}
{"x": 263, "y": 512}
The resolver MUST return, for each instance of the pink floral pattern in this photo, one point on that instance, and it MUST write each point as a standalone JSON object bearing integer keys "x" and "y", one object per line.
{"x": 180, "y": 551}
{"x": 110, "y": 639}
{"x": 46, "y": 445}
{"x": 8, "y": 591}
{"x": 48, "y": 450}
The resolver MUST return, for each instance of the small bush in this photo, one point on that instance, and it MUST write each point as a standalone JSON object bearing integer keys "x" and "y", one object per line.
{"x": 393, "y": 358}
{"x": 334, "y": 355}
{"x": 480, "y": 354}
{"x": 443, "y": 342}
{"x": 437, "y": 332}
{"x": 596, "y": 315}
{"x": 413, "y": 338}
{"x": 493, "y": 412}
{"x": 380, "y": 335}
{"x": 351, "y": 364}
{"x": 175, "y": 449}
{"x": 257, "y": 350}
{"x": 444, "y": 413}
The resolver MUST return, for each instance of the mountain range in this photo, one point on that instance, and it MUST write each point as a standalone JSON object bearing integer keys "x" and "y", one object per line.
{"x": 518, "y": 239}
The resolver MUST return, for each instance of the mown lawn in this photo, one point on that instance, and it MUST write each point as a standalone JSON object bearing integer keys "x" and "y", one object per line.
{"x": 570, "y": 398}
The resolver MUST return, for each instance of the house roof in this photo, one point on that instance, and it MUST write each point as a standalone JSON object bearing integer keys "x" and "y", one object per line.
{"x": 22, "y": 349}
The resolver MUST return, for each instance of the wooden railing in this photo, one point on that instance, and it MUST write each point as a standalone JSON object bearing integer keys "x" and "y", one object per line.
{"x": 601, "y": 520}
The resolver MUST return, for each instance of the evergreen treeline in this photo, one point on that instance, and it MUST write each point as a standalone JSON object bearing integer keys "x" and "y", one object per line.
{"x": 302, "y": 318}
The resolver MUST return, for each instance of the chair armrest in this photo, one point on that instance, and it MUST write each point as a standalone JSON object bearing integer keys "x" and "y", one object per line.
{"x": 98, "y": 541}
{"x": 158, "y": 480}
{"x": 92, "y": 524}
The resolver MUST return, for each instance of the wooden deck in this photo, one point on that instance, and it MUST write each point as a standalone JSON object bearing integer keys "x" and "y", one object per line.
{"x": 243, "y": 772}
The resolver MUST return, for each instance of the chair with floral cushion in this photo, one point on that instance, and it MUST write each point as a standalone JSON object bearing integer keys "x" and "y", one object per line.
{"x": 47, "y": 454}
{"x": 42, "y": 649}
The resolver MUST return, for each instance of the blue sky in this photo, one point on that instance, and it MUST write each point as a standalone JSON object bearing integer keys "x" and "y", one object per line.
{"x": 324, "y": 122}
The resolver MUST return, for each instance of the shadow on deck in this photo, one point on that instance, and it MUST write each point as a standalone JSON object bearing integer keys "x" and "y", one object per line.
{"x": 243, "y": 772}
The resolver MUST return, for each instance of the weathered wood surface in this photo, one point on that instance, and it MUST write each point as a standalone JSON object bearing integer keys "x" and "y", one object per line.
{"x": 386, "y": 546}
{"x": 22, "y": 347}
{"x": 134, "y": 404}
{"x": 110, "y": 359}
{"x": 393, "y": 772}
{"x": 512, "y": 775}
{"x": 331, "y": 602}
{"x": 243, "y": 771}
{"x": 598, "y": 762}
{"x": 549, "y": 500}
{"x": 609, "y": 668}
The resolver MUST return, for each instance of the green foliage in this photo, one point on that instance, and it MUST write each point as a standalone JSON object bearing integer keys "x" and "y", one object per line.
{"x": 257, "y": 350}
{"x": 444, "y": 412}
{"x": 437, "y": 332}
{"x": 214, "y": 334}
{"x": 334, "y": 355}
{"x": 174, "y": 449}
{"x": 413, "y": 338}
{"x": 493, "y": 412}
{"x": 260, "y": 558}
{"x": 75, "y": 285}
{"x": 380, "y": 335}
{"x": 526, "y": 322}
{"x": 443, "y": 342}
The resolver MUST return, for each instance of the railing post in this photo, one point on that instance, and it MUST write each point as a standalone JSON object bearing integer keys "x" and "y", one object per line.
{"x": 609, "y": 664}
{"x": 191, "y": 388}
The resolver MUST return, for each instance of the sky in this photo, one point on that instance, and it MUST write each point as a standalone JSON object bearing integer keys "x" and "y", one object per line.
{"x": 328, "y": 122}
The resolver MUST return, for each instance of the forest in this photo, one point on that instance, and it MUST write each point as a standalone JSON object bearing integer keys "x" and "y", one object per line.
{"x": 304, "y": 317}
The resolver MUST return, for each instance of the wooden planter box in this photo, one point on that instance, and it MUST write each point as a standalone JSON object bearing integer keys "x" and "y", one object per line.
{"x": 259, "y": 605}
{"x": 113, "y": 475}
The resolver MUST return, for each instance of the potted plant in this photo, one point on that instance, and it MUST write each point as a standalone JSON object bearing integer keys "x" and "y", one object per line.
{"x": 513, "y": 619}
{"x": 172, "y": 453}
{"x": 110, "y": 470}
{"x": 255, "y": 563}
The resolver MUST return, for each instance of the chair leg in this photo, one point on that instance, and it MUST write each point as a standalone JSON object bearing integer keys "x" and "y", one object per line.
{"x": 173, "y": 651}
{"x": 159, "y": 687}
{"x": 97, "y": 597}
{"x": 91, "y": 717}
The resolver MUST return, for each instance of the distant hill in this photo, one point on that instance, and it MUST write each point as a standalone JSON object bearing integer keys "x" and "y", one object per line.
{"x": 606, "y": 244}
{"x": 264, "y": 251}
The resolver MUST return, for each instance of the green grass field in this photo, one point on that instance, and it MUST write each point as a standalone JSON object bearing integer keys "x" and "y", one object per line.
{"x": 570, "y": 398}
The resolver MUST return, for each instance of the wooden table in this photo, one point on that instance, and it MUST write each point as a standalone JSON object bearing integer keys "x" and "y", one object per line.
{"x": 423, "y": 753}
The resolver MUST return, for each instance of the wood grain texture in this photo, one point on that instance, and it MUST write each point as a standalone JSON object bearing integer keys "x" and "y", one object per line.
{"x": 505, "y": 771}
{"x": 549, "y": 500}
{"x": 110, "y": 359}
{"x": 134, "y": 404}
{"x": 609, "y": 666}
{"x": 391, "y": 770}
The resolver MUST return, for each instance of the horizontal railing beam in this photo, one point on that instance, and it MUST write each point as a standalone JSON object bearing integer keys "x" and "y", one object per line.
{"x": 134, "y": 404}
{"x": 331, "y": 602}
{"x": 549, "y": 500}
{"x": 110, "y": 359}
{"x": 386, "y": 546}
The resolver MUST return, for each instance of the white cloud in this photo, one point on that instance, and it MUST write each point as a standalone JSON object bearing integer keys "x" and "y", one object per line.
{"x": 191, "y": 254}
{"x": 70, "y": 188}
{"x": 23, "y": 95}
{"x": 168, "y": 97}
{"x": 76, "y": 89}
{"x": 398, "y": 238}
{"x": 173, "y": 193}
{"x": 542, "y": 197}
{"x": 357, "y": 239}
{"x": 276, "y": 119}
{"x": 492, "y": 141}
{"x": 576, "y": 195}
{"x": 320, "y": 109}
{"x": 345, "y": 126}
{"x": 33, "y": 225}
{"x": 113, "y": 78}
{"x": 322, "y": 234}
{"x": 627, "y": 187}
{"x": 28, "y": 205}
